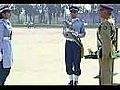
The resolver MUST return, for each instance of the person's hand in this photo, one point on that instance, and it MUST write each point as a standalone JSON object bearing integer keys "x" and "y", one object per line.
{"x": 68, "y": 35}
{"x": 75, "y": 33}
{"x": 65, "y": 34}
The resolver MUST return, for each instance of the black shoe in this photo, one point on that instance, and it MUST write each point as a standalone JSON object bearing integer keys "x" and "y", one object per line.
{"x": 71, "y": 82}
{"x": 75, "y": 83}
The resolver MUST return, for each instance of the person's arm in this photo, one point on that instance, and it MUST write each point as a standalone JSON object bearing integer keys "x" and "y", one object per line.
{"x": 1, "y": 34}
{"x": 64, "y": 29}
{"x": 81, "y": 33}
{"x": 67, "y": 28}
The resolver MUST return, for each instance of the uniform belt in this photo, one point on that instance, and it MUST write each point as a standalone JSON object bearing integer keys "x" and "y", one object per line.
{"x": 6, "y": 38}
{"x": 70, "y": 39}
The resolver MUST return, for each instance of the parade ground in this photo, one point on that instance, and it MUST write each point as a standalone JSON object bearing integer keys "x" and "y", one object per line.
{"x": 39, "y": 58}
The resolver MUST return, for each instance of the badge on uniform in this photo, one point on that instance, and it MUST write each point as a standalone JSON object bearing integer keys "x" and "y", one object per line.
{"x": 104, "y": 27}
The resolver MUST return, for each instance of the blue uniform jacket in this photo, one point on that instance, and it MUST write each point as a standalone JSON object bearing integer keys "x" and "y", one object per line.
{"x": 5, "y": 43}
{"x": 78, "y": 27}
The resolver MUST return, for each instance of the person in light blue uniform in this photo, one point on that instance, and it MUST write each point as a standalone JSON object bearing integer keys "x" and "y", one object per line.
{"x": 6, "y": 54}
{"x": 72, "y": 50}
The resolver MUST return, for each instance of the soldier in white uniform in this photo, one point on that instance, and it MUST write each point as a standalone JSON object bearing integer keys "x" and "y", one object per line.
{"x": 6, "y": 53}
{"x": 106, "y": 45}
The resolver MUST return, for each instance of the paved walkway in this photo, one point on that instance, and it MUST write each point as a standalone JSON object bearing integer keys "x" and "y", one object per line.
{"x": 39, "y": 58}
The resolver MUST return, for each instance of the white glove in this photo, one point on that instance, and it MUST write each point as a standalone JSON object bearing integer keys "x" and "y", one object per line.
{"x": 75, "y": 33}
{"x": 81, "y": 35}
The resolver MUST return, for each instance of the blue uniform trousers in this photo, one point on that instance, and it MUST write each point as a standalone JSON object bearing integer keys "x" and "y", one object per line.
{"x": 72, "y": 58}
{"x": 4, "y": 72}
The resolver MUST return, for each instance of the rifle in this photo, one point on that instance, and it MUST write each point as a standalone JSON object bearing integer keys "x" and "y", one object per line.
{"x": 78, "y": 41}
{"x": 69, "y": 25}
{"x": 76, "y": 38}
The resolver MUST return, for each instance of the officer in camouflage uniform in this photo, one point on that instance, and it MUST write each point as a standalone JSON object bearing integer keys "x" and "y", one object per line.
{"x": 73, "y": 30}
{"x": 106, "y": 45}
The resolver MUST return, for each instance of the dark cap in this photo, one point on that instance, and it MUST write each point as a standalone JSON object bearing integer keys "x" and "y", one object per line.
{"x": 4, "y": 8}
{"x": 106, "y": 6}
{"x": 74, "y": 8}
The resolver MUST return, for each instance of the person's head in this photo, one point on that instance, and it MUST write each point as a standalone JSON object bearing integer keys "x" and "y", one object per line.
{"x": 105, "y": 11}
{"x": 5, "y": 12}
{"x": 73, "y": 11}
